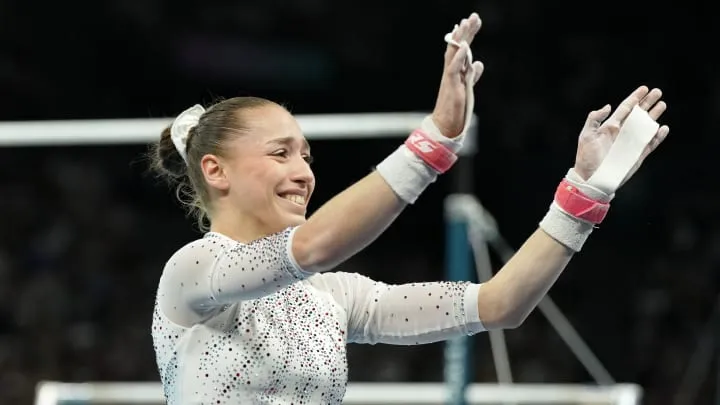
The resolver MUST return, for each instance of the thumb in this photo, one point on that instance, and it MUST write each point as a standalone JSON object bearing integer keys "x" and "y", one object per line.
{"x": 477, "y": 68}
{"x": 595, "y": 118}
{"x": 459, "y": 60}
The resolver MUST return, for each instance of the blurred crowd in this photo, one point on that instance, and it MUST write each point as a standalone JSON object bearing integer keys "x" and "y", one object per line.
{"x": 87, "y": 230}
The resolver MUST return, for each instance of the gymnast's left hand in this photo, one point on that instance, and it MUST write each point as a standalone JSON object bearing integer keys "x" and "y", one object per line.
{"x": 599, "y": 132}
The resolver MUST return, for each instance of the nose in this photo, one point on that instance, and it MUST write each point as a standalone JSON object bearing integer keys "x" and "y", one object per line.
{"x": 301, "y": 172}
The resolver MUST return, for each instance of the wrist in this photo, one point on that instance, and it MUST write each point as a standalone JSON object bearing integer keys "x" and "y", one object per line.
{"x": 575, "y": 211}
{"x": 434, "y": 150}
{"x": 430, "y": 124}
{"x": 576, "y": 179}
{"x": 440, "y": 122}
{"x": 416, "y": 164}
{"x": 567, "y": 230}
{"x": 406, "y": 174}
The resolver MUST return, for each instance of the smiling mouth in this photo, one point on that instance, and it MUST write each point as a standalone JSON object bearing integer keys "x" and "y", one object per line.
{"x": 296, "y": 199}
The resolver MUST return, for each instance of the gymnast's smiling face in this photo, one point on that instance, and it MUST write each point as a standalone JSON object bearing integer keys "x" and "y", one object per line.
{"x": 264, "y": 177}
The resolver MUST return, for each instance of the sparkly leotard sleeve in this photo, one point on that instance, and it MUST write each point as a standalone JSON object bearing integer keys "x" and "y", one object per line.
{"x": 405, "y": 314}
{"x": 213, "y": 271}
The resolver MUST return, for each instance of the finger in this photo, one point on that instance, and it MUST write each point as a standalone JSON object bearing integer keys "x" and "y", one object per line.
{"x": 657, "y": 110}
{"x": 478, "y": 69}
{"x": 596, "y": 118}
{"x": 659, "y": 137}
{"x": 461, "y": 30}
{"x": 650, "y": 99}
{"x": 474, "y": 23}
{"x": 459, "y": 60}
{"x": 456, "y": 36}
{"x": 624, "y": 109}
{"x": 465, "y": 31}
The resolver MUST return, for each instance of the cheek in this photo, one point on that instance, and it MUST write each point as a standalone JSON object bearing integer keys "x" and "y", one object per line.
{"x": 312, "y": 180}
{"x": 255, "y": 181}
{"x": 312, "y": 187}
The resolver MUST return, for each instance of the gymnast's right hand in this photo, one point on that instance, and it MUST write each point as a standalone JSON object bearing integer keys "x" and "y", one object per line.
{"x": 459, "y": 76}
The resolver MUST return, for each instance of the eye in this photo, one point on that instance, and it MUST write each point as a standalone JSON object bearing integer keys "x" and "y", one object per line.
{"x": 308, "y": 158}
{"x": 280, "y": 153}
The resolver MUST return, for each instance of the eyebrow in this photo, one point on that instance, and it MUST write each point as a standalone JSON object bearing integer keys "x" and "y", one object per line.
{"x": 289, "y": 140}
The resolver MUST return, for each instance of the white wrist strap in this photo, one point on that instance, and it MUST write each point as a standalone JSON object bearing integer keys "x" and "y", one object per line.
{"x": 569, "y": 231}
{"x": 635, "y": 134}
{"x": 406, "y": 174}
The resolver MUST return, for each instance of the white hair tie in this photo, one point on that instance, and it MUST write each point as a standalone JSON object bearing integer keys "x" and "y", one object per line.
{"x": 180, "y": 129}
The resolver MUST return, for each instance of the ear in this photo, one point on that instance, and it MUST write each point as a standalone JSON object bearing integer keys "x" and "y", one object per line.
{"x": 213, "y": 169}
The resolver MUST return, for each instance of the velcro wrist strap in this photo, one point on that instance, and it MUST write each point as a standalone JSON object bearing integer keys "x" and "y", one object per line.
{"x": 430, "y": 151}
{"x": 571, "y": 200}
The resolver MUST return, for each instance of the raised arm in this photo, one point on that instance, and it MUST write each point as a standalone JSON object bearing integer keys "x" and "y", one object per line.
{"x": 420, "y": 313}
{"x": 358, "y": 215}
{"x": 610, "y": 150}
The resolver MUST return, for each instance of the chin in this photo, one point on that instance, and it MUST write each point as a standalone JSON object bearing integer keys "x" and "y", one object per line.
{"x": 285, "y": 216}
{"x": 286, "y": 220}
{"x": 295, "y": 220}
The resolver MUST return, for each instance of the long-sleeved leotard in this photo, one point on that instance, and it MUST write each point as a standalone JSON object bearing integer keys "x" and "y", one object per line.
{"x": 244, "y": 324}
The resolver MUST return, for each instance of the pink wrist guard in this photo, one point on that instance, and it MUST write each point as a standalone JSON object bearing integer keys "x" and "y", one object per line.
{"x": 574, "y": 202}
{"x": 430, "y": 151}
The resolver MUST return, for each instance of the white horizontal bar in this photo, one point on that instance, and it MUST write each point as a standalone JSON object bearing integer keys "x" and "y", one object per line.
{"x": 49, "y": 393}
{"x": 134, "y": 131}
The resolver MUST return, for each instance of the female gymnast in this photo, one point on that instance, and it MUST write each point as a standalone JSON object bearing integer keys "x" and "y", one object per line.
{"x": 248, "y": 314}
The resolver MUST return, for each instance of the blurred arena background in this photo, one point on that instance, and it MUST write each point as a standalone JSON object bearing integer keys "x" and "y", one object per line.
{"x": 86, "y": 229}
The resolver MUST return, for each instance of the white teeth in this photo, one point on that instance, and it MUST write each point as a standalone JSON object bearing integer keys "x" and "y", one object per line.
{"x": 297, "y": 199}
